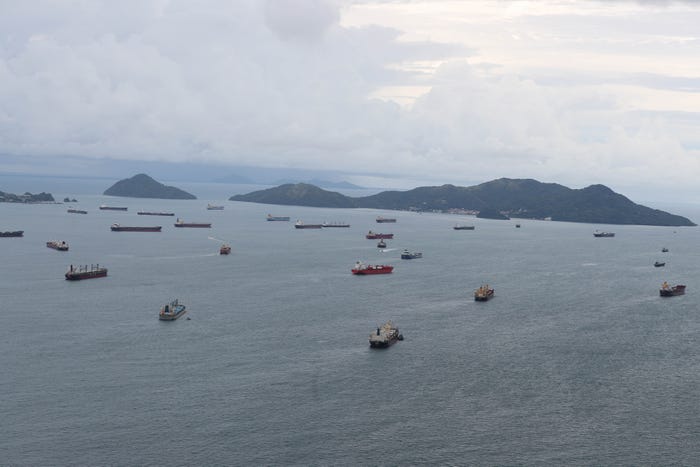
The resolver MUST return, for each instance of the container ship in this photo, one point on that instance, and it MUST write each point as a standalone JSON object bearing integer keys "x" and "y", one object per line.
{"x": 386, "y": 335}
{"x": 362, "y": 269}
{"x": 181, "y": 223}
{"x": 112, "y": 208}
{"x": 56, "y": 245}
{"x": 172, "y": 311}
{"x": 13, "y": 233}
{"x": 375, "y": 236}
{"x": 85, "y": 272}
{"x": 125, "y": 228}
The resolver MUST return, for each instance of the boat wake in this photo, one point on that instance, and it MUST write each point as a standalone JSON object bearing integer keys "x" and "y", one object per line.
{"x": 386, "y": 250}
{"x": 216, "y": 239}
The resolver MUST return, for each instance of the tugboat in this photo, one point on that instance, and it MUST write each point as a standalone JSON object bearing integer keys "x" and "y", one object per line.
{"x": 658, "y": 264}
{"x": 405, "y": 254}
{"x": 225, "y": 249}
{"x": 463, "y": 227}
{"x": 124, "y": 228}
{"x": 386, "y": 335}
{"x": 375, "y": 236}
{"x": 599, "y": 234}
{"x": 181, "y": 223}
{"x": 362, "y": 269}
{"x": 483, "y": 293}
{"x": 385, "y": 220}
{"x": 664, "y": 250}
{"x": 83, "y": 272}
{"x": 270, "y": 217}
{"x": 671, "y": 291}
{"x": 13, "y": 233}
{"x": 381, "y": 244}
{"x": 172, "y": 311}
{"x": 56, "y": 245}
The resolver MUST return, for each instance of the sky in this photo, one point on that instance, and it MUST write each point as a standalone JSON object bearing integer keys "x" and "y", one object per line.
{"x": 395, "y": 93}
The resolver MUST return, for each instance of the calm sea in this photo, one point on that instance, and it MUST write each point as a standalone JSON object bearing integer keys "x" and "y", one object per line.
{"x": 577, "y": 360}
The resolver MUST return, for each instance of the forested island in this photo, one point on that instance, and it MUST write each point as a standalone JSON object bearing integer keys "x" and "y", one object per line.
{"x": 143, "y": 186}
{"x": 502, "y": 198}
{"x": 26, "y": 198}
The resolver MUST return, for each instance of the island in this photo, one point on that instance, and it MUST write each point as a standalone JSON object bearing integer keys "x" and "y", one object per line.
{"x": 143, "y": 186}
{"x": 26, "y": 198}
{"x": 503, "y": 198}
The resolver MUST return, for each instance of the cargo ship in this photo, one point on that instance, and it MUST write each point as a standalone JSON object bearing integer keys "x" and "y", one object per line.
{"x": 125, "y": 228}
{"x": 405, "y": 254}
{"x": 463, "y": 227}
{"x": 386, "y": 335}
{"x": 376, "y": 236}
{"x": 77, "y": 211}
{"x": 151, "y": 213}
{"x": 385, "y": 220}
{"x": 13, "y": 233}
{"x": 181, "y": 223}
{"x": 225, "y": 249}
{"x": 85, "y": 272}
{"x": 671, "y": 291}
{"x": 212, "y": 207}
{"x": 659, "y": 264}
{"x": 172, "y": 311}
{"x": 56, "y": 245}
{"x": 104, "y": 207}
{"x": 603, "y": 234}
{"x": 483, "y": 293}
{"x": 334, "y": 224}
{"x": 270, "y": 217}
{"x": 301, "y": 225}
{"x": 362, "y": 269}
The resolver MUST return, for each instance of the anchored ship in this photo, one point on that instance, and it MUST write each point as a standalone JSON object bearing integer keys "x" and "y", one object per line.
{"x": 386, "y": 335}
{"x": 362, "y": 269}
{"x": 334, "y": 224}
{"x": 212, "y": 207}
{"x": 181, "y": 223}
{"x": 301, "y": 225}
{"x": 104, "y": 207}
{"x": 603, "y": 234}
{"x": 225, "y": 249}
{"x": 270, "y": 217}
{"x": 56, "y": 245}
{"x": 77, "y": 211}
{"x": 13, "y": 233}
{"x": 385, "y": 220}
{"x": 375, "y": 236}
{"x": 124, "y": 228}
{"x": 464, "y": 227}
{"x": 483, "y": 293}
{"x": 405, "y": 254}
{"x": 84, "y": 272}
{"x": 151, "y": 213}
{"x": 172, "y": 311}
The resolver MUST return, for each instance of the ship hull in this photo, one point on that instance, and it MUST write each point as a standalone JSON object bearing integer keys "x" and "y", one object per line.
{"x": 379, "y": 236}
{"x": 411, "y": 256}
{"x": 673, "y": 291}
{"x": 60, "y": 246}
{"x": 77, "y": 211}
{"x": 172, "y": 317}
{"x": 385, "y": 221}
{"x": 383, "y": 345}
{"x": 16, "y": 233}
{"x": 146, "y": 213}
{"x": 77, "y": 276}
{"x": 111, "y": 208}
{"x": 483, "y": 297}
{"x": 278, "y": 218}
{"x": 463, "y": 228}
{"x": 135, "y": 229}
{"x": 371, "y": 270}
{"x": 308, "y": 226}
{"x": 190, "y": 224}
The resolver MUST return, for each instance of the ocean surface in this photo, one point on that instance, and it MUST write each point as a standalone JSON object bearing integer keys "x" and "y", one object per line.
{"x": 576, "y": 361}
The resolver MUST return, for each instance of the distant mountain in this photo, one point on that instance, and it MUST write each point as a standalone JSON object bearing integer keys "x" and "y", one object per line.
{"x": 143, "y": 186}
{"x": 322, "y": 183}
{"x": 522, "y": 198}
{"x": 26, "y": 198}
{"x": 232, "y": 178}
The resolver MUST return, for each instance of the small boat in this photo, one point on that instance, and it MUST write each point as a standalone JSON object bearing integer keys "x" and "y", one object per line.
{"x": 172, "y": 311}
{"x": 463, "y": 227}
{"x": 56, "y": 245}
{"x": 85, "y": 272}
{"x": 181, "y": 223}
{"x": 212, "y": 207}
{"x": 225, "y": 249}
{"x": 376, "y": 236}
{"x": 600, "y": 234}
{"x": 671, "y": 291}
{"x": 301, "y": 225}
{"x": 386, "y": 335}
{"x": 334, "y": 224}
{"x": 405, "y": 254}
{"x": 104, "y": 207}
{"x": 152, "y": 213}
{"x": 385, "y": 220}
{"x": 381, "y": 244}
{"x": 270, "y": 217}
{"x": 124, "y": 228}
{"x": 517, "y": 226}
{"x": 664, "y": 250}
{"x": 362, "y": 269}
{"x": 77, "y": 211}
{"x": 658, "y": 264}
{"x": 483, "y": 293}
{"x": 12, "y": 233}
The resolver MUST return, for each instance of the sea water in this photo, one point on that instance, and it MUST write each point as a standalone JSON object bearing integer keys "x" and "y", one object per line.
{"x": 577, "y": 360}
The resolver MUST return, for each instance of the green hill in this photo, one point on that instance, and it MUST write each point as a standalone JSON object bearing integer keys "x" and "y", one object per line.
{"x": 143, "y": 186}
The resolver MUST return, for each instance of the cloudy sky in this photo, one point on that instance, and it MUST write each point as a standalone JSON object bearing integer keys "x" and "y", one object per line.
{"x": 428, "y": 92}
